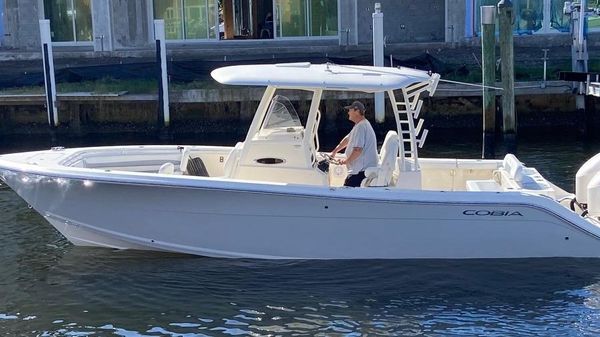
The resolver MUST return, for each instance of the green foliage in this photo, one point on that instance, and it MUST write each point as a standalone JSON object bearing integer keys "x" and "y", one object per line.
{"x": 523, "y": 72}
{"x": 462, "y": 73}
{"x": 108, "y": 85}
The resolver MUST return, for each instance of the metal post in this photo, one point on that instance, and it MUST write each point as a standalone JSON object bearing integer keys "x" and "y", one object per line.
{"x": 488, "y": 57}
{"x": 163, "y": 84}
{"x": 101, "y": 38}
{"x": 378, "y": 59}
{"x": 579, "y": 61}
{"x": 49, "y": 80}
{"x": 545, "y": 67}
{"x": 509, "y": 122}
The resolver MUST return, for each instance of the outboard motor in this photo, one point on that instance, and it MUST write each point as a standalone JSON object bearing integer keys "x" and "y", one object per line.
{"x": 593, "y": 192}
{"x": 587, "y": 186}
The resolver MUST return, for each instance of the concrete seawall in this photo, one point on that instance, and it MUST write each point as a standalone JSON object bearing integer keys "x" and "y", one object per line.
{"x": 230, "y": 111}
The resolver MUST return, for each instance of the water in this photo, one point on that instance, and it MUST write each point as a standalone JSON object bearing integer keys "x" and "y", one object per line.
{"x": 50, "y": 288}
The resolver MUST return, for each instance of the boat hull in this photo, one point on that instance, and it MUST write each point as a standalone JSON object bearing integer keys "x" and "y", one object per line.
{"x": 250, "y": 220}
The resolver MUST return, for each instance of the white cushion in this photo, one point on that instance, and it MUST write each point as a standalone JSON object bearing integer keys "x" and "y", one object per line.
{"x": 232, "y": 160}
{"x": 513, "y": 166}
{"x": 382, "y": 174}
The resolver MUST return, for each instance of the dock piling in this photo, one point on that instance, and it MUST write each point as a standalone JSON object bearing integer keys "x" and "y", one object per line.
{"x": 509, "y": 121}
{"x": 579, "y": 60}
{"x": 488, "y": 57}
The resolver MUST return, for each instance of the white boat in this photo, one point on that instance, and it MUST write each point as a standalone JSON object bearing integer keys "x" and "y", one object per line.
{"x": 269, "y": 197}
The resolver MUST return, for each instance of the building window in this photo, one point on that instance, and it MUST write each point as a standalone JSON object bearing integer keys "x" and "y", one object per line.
{"x": 558, "y": 20}
{"x": 70, "y": 20}
{"x": 561, "y": 22}
{"x": 593, "y": 21}
{"x": 529, "y": 15}
{"x": 188, "y": 19}
{"x": 306, "y": 18}
{"x": 537, "y": 16}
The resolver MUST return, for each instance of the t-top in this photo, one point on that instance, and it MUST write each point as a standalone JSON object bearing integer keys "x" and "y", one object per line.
{"x": 363, "y": 136}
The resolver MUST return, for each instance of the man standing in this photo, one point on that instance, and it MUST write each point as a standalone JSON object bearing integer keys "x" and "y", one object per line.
{"x": 360, "y": 145}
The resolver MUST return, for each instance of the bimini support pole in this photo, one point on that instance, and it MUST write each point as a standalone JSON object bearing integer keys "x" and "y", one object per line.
{"x": 49, "y": 80}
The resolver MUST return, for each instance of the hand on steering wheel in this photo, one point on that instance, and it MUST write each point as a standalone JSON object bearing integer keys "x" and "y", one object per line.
{"x": 331, "y": 159}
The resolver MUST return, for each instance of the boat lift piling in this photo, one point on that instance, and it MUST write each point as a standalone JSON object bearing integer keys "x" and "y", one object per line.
{"x": 163, "y": 83}
{"x": 49, "y": 80}
{"x": 506, "y": 20}
{"x": 579, "y": 59}
{"x": 378, "y": 44}
{"x": 488, "y": 51}
{"x": 586, "y": 85}
{"x": 580, "y": 62}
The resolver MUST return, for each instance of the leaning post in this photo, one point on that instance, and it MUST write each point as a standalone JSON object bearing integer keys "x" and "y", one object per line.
{"x": 509, "y": 122}
{"x": 378, "y": 59}
{"x": 488, "y": 65}
{"x": 163, "y": 84}
{"x": 49, "y": 81}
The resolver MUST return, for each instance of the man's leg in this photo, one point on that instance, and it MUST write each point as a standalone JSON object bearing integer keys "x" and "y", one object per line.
{"x": 354, "y": 180}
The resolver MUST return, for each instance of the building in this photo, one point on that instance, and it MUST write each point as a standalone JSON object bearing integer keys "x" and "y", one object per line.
{"x": 127, "y": 25}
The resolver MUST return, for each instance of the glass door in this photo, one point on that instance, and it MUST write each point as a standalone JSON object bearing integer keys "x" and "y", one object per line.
{"x": 323, "y": 18}
{"x": 188, "y": 19}
{"x": 298, "y": 18}
{"x": 291, "y": 18}
{"x": 70, "y": 20}
{"x": 243, "y": 18}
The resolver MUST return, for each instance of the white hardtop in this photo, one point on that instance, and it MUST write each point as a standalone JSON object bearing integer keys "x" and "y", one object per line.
{"x": 321, "y": 76}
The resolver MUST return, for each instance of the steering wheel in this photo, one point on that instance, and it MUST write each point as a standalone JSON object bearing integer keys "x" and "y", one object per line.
{"x": 331, "y": 159}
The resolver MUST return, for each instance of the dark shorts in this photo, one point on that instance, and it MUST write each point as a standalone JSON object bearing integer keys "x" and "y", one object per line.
{"x": 354, "y": 180}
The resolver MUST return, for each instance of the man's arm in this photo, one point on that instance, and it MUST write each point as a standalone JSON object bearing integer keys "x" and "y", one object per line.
{"x": 342, "y": 145}
{"x": 352, "y": 157}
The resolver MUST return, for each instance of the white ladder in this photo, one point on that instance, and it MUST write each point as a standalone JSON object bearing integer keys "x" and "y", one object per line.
{"x": 406, "y": 113}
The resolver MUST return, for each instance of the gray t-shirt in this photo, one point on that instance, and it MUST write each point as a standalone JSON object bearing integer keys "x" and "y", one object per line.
{"x": 363, "y": 136}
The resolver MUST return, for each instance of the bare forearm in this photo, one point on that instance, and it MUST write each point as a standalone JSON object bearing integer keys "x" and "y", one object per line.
{"x": 353, "y": 155}
{"x": 342, "y": 145}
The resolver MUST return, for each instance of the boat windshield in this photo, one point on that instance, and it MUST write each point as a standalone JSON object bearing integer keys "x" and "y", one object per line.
{"x": 281, "y": 114}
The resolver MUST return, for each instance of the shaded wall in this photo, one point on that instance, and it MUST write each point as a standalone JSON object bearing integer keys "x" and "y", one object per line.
{"x": 22, "y": 28}
{"x": 233, "y": 118}
{"x": 456, "y": 20}
{"x": 347, "y": 28}
{"x": 1, "y": 22}
{"x": 131, "y": 22}
{"x": 404, "y": 20}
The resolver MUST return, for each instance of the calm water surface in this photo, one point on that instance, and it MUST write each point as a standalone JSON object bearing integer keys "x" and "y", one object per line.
{"x": 50, "y": 288}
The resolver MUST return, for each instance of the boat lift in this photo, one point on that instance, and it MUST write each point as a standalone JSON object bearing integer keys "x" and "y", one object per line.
{"x": 585, "y": 83}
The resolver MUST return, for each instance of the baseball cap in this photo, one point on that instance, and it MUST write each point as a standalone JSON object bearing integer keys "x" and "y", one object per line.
{"x": 356, "y": 105}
